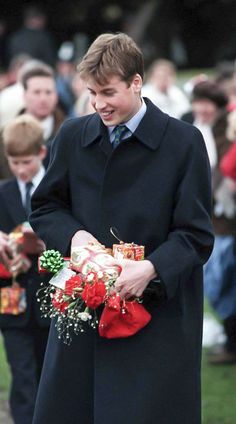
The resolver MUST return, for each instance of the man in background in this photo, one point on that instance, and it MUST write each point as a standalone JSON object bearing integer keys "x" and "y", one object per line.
{"x": 40, "y": 97}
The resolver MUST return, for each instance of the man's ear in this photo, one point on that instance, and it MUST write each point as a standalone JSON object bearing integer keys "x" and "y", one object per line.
{"x": 137, "y": 83}
{"x": 43, "y": 152}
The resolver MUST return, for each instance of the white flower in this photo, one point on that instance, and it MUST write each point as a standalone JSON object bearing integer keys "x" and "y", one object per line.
{"x": 100, "y": 274}
{"x": 90, "y": 277}
{"x": 84, "y": 316}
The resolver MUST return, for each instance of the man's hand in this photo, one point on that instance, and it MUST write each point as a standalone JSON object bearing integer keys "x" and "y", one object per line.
{"x": 82, "y": 238}
{"x": 32, "y": 244}
{"x": 20, "y": 263}
{"x": 5, "y": 250}
{"x": 134, "y": 277}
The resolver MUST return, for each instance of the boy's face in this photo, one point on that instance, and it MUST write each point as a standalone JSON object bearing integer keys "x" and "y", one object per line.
{"x": 25, "y": 167}
{"x": 40, "y": 97}
{"x": 116, "y": 102}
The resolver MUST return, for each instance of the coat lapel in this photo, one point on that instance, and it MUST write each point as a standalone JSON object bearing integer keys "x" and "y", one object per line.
{"x": 105, "y": 143}
{"x": 96, "y": 131}
{"x": 14, "y": 203}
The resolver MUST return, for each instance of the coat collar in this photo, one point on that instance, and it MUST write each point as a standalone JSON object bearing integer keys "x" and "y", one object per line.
{"x": 150, "y": 131}
{"x": 152, "y": 127}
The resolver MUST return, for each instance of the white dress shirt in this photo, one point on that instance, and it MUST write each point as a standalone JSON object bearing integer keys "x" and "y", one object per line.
{"x": 35, "y": 182}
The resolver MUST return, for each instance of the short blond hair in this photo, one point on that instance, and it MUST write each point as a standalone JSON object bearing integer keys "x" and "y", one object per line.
{"x": 23, "y": 136}
{"x": 110, "y": 55}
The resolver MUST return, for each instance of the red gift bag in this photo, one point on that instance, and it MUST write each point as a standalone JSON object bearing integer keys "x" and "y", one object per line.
{"x": 122, "y": 318}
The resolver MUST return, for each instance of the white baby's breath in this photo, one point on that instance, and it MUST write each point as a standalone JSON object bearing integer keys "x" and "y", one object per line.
{"x": 84, "y": 316}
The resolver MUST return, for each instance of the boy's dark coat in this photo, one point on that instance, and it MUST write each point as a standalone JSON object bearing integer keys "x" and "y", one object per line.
{"x": 12, "y": 214}
{"x": 155, "y": 189}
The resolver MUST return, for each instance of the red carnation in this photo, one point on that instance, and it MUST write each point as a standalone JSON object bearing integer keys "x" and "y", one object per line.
{"x": 94, "y": 294}
{"x": 58, "y": 301}
{"x": 73, "y": 283}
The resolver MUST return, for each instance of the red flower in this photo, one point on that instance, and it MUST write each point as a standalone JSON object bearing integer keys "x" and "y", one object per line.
{"x": 94, "y": 294}
{"x": 73, "y": 283}
{"x": 58, "y": 301}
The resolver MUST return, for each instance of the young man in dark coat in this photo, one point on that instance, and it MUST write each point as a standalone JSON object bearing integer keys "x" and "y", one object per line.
{"x": 25, "y": 332}
{"x": 154, "y": 187}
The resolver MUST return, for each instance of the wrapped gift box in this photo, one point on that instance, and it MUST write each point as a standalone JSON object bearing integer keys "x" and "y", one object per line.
{"x": 128, "y": 251}
{"x": 93, "y": 258}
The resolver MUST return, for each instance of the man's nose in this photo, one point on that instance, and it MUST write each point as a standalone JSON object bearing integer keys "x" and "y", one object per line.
{"x": 99, "y": 103}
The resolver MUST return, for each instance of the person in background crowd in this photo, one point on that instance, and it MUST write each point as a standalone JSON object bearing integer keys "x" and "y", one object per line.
{"x": 208, "y": 101}
{"x": 160, "y": 88}
{"x": 40, "y": 98}
{"x": 83, "y": 105}
{"x": 228, "y": 161}
{"x": 33, "y": 38}
{"x": 12, "y": 97}
{"x": 3, "y": 80}
{"x": 220, "y": 270}
{"x": 223, "y": 76}
{"x": 24, "y": 331}
{"x": 65, "y": 72}
{"x": 190, "y": 83}
{"x": 3, "y": 39}
{"x": 147, "y": 184}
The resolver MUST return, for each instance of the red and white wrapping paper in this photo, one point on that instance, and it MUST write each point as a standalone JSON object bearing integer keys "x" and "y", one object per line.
{"x": 94, "y": 258}
{"x": 128, "y": 251}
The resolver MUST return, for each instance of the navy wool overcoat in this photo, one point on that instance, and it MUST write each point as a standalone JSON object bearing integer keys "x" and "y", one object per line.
{"x": 155, "y": 189}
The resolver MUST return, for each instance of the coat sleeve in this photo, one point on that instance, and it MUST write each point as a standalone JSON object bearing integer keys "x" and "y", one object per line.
{"x": 51, "y": 216}
{"x": 190, "y": 239}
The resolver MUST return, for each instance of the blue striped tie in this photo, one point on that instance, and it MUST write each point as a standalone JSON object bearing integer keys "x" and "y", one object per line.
{"x": 119, "y": 132}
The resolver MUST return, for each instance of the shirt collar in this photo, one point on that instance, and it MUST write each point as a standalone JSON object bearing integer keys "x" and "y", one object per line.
{"x": 48, "y": 126}
{"x": 35, "y": 180}
{"x": 134, "y": 122}
{"x": 38, "y": 177}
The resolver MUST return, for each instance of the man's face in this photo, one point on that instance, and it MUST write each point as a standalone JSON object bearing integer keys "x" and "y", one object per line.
{"x": 25, "y": 167}
{"x": 116, "y": 102}
{"x": 40, "y": 97}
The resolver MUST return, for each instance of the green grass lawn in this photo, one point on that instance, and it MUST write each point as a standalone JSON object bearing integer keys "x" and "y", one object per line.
{"x": 4, "y": 373}
{"x": 218, "y": 390}
{"x": 218, "y": 393}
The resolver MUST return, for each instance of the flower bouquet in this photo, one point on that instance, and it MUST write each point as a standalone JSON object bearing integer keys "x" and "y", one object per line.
{"x": 81, "y": 292}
